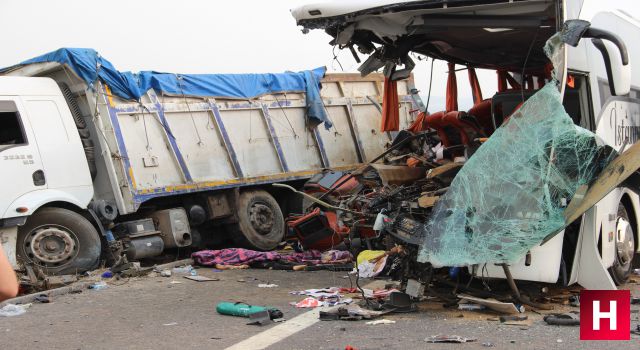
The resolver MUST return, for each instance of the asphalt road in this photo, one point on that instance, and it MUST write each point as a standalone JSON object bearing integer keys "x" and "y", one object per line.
{"x": 152, "y": 313}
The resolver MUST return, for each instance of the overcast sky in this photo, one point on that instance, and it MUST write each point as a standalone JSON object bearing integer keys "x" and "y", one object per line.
{"x": 190, "y": 36}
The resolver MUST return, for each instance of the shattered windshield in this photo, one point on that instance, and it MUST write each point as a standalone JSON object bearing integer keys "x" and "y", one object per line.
{"x": 512, "y": 193}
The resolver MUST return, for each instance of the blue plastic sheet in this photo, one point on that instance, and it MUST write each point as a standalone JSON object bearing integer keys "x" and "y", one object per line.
{"x": 90, "y": 66}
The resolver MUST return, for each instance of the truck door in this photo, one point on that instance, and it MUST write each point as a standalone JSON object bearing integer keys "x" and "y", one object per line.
{"x": 63, "y": 158}
{"x": 20, "y": 165}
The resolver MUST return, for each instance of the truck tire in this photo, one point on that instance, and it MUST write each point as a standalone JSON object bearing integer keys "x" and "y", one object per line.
{"x": 59, "y": 241}
{"x": 625, "y": 247}
{"x": 260, "y": 222}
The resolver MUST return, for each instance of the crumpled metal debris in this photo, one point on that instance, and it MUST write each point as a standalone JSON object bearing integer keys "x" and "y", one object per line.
{"x": 448, "y": 339}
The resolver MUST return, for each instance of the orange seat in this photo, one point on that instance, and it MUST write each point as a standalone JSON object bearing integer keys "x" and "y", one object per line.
{"x": 482, "y": 112}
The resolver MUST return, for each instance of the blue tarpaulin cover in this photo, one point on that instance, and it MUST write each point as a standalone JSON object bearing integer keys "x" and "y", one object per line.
{"x": 90, "y": 66}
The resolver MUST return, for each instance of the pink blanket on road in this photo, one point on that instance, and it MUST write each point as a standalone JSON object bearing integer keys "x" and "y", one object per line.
{"x": 240, "y": 256}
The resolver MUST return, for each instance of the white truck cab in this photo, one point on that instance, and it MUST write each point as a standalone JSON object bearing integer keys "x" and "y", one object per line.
{"x": 42, "y": 162}
{"x": 40, "y": 149}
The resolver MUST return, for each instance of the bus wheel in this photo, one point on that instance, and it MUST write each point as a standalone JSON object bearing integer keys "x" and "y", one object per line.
{"x": 624, "y": 248}
{"x": 260, "y": 222}
{"x": 60, "y": 241}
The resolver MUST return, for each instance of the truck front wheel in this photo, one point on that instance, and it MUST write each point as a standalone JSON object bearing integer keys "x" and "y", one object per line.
{"x": 59, "y": 241}
{"x": 260, "y": 222}
{"x": 625, "y": 247}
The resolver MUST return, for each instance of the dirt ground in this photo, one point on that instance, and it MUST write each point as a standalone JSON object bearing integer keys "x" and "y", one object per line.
{"x": 153, "y": 313}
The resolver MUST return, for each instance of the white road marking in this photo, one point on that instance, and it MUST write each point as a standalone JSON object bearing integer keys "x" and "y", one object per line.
{"x": 282, "y": 331}
{"x": 279, "y": 332}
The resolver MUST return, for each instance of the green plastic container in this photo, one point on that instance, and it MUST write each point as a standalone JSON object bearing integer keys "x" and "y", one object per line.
{"x": 238, "y": 309}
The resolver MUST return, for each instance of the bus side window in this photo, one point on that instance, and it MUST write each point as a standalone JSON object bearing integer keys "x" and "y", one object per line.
{"x": 577, "y": 102}
{"x": 11, "y": 131}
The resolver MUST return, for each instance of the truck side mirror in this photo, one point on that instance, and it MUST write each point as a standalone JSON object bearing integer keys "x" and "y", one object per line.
{"x": 614, "y": 52}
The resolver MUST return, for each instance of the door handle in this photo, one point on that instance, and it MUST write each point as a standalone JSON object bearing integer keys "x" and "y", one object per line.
{"x": 38, "y": 178}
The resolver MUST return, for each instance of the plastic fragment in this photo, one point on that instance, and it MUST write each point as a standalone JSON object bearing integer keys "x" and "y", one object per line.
{"x": 382, "y": 321}
{"x": 441, "y": 338}
{"x": 308, "y": 303}
{"x": 99, "y": 285}
{"x": 10, "y": 310}
{"x": 184, "y": 269}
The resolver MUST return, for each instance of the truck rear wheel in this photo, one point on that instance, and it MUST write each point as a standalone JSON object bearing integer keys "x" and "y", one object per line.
{"x": 624, "y": 248}
{"x": 60, "y": 241}
{"x": 260, "y": 222}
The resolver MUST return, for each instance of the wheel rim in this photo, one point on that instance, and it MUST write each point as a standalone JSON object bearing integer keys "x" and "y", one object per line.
{"x": 51, "y": 245}
{"x": 261, "y": 217}
{"x": 625, "y": 244}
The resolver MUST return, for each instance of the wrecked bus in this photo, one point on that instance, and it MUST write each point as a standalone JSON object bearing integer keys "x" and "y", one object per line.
{"x": 101, "y": 164}
{"x": 563, "y": 210}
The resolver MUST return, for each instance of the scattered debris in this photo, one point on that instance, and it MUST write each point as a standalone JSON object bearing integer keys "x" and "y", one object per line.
{"x": 259, "y": 318}
{"x": 43, "y": 298}
{"x": 574, "y": 301}
{"x": 399, "y": 302}
{"x": 449, "y": 339}
{"x": 349, "y": 313}
{"x": 382, "y": 321}
{"x": 10, "y": 310}
{"x": 245, "y": 310}
{"x": 267, "y": 285}
{"x": 509, "y": 318}
{"x": 504, "y": 308}
{"x": 471, "y": 307}
{"x": 188, "y": 269}
{"x": 107, "y": 274}
{"x": 99, "y": 285}
{"x": 308, "y": 303}
{"x": 170, "y": 324}
{"x": 201, "y": 278}
{"x": 50, "y": 282}
{"x": 165, "y": 273}
{"x": 566, "y": 319}
{"x": 175, "y": 282}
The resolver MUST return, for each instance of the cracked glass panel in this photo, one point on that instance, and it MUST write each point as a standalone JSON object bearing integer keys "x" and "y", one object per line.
{"x": 512, "y": 192}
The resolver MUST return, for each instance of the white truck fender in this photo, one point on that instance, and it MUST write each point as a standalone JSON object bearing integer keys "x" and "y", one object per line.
{"x": 79, "y": 196}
